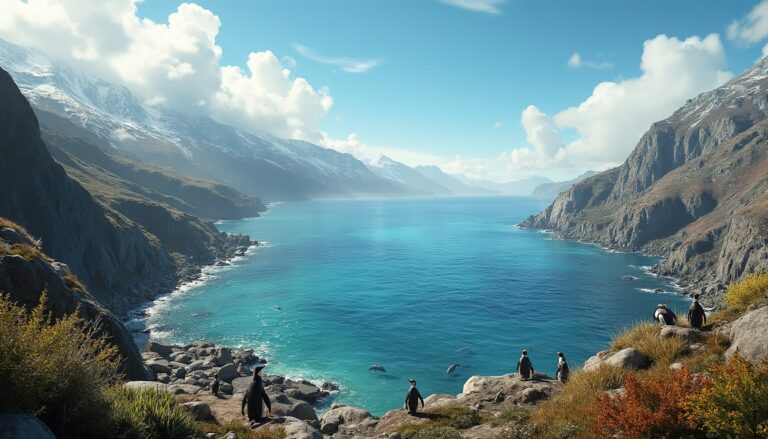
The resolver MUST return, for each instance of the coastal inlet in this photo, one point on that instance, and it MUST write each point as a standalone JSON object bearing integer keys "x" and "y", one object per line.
{"x": 413, "y": 285}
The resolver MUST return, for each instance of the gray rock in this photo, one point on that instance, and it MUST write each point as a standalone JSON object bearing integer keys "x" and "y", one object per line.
{"x": 22, "y": 426}
{"x": 241, "y": 384}
{"x": 297, "y": 429}
{"x": 347, "y": 416}
{"x": 199, "y": 374}
{"x": 223, "y": 356}
{"x": 150, "y": 355}
{"x": 629, "y": 358}
{"x": 226, "y": 388}
{"x": 228, "y": 372}
{"x": 210, "y": 436}
{"x": 163, "y": 349}
{"x": 200, "y": 410}
{"x": 230, "y": 435}
{"x": 243, "y": 370}
{"x": 283, "y": 405}
{"x": 159, "y": 366}
{"x": 184, "y": 389}
{"x": 182, "y": 358}
{"x": 749, "y": 337}
{"x": 687, "y": 334}
{"x": 676, "y": 366}
{"x": 180, "y": 373}
{"x": 163, "y": 378}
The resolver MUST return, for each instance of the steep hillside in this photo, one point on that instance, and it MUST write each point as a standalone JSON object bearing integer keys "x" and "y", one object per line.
{"x": 692, "y": 190}
{"x": 26, "y": 272}
{"x": 123, "y": 262}
{"x": 107, "y": 172}
{"x": 256, "y": 164}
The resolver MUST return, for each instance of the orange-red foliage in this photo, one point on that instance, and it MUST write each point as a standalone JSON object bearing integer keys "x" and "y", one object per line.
{"x": 649, "y": 408}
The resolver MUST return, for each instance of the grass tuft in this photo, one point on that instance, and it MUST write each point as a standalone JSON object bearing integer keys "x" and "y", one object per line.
{"x": 74, "y": 283}
{"x": 645, "y": 338}
{"x": 751, "y": 291}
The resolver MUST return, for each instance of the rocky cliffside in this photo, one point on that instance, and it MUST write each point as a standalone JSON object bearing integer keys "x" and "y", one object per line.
{"x": 124, "y": 246}
{"x": 693, "y": 190}
{"x": 25, "y": 273}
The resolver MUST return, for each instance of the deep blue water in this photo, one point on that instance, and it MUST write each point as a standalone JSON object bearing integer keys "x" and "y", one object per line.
{"x": 413, "y": 285}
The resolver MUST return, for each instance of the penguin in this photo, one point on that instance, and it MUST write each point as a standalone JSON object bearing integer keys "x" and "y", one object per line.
{"x": 412, "y": 399}
{"x": 524, "y": 366}
{"x": 696, "y": 315}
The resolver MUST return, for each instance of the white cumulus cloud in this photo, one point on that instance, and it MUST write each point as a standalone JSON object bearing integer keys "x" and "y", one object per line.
{"x": 612, "y": 119}
{"x": 575, "y": 61}
{"x": 176, "y": 64}
{"x": 753, "y": 27}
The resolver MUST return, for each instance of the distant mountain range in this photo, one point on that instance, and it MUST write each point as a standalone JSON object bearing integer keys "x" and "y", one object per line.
{"x": 694, "y": 190}
{"x": 254, "y": 163}
{"x": 551, "y": 190}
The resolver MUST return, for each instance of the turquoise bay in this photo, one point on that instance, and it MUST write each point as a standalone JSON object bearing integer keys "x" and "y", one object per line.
{"x": 414, "y": 285}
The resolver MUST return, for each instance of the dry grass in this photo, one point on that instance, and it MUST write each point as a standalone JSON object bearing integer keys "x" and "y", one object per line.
{"x": 74, "y": 283}
{"x": 26, "y": 251}
{"x": 570, "y": 412}
{"x": 454, "y": 416}
{"x": 6, "y": 223}
{"x": 645, "y": 338}
{"x": 241, "y": 430}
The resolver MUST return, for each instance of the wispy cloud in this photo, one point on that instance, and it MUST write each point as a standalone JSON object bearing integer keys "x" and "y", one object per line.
{"x": 349, "y": 65}
{"x": 577, "y": 62}
{"x": 485, "y": 6}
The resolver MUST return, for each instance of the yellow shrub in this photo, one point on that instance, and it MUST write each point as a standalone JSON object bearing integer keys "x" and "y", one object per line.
{"x": 55, "y": 370}
{"x": 732, "y": 403}
{"x": 753, "y": 289}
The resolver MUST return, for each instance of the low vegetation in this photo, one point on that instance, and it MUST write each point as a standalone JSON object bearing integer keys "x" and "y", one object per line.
{"x": 451, "y": 417}
{"x": 64, "y": 373}
{"x": 6, "y": 223}
{"x": 750, "y": 292}
{"x": 74, "y": 283}
{"x": 732, "y": 402}
{"x": 241, "y": 430}
{"x": 26, "y": 251}
{"x": 645, "y": 338}
{"x": 148, "y": 413}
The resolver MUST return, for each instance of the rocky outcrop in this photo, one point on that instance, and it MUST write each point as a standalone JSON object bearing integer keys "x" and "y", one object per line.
{"x": 25, "y": 277}
{"x": 749, "y": 337}
{"x": 693, "y": 190}
{"x": 22, "y": 426}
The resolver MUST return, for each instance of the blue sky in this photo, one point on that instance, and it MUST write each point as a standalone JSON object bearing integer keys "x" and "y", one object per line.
{"x": 448, "y": 74}
{"x": 496, "y": 89}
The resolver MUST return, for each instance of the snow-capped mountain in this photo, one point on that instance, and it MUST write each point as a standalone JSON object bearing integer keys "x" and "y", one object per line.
{"x": 396, "y": 171}
{"x": 255, "y": 163}
{"x": 455, "y": 185}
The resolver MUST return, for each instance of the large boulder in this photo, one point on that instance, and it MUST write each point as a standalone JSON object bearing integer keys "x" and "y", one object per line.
{"x": 228, "y": 372}
{"x": 23, "y": 426}
{"x": 344, "y": 415}
{"x": 164, "y": 349}
{"x": 297, "y": 429}
{"x": 222, "y": 356}
{"x": 628, "y": 358}
{"x": 749, "y": 336}
{"x": 184, "y": 389}
{"x": 159, "y": 366}
{"x": 495, "y": 392}
{"x": 199, "y": 410}
{"x": 688, "y": 334}
{"x": 284, "y": 405}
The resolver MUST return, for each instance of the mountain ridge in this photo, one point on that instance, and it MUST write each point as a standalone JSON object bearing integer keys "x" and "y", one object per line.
{"x": 692, "y": 191}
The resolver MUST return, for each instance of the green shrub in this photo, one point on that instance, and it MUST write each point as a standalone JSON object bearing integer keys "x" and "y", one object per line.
{"x": 457, "y": 416}
{"x": 149, "y": 414}
{"x": 752, "y": 290}
{"x": 732, "y": 403}
{"x": 56, "y": 371}
{"x": 439, "y": 432}
{"x": 242, "y": 431}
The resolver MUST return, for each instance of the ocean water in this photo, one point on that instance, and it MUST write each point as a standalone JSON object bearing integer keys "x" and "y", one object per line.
{"x": 414, "y": 285}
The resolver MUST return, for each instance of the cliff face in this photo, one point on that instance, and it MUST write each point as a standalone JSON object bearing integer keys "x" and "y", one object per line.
{"x": 121, "y": 238}
{"x": 692, "y": 190}
{"x": 25, "y": 275}
{"x": 108, "y": 252}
